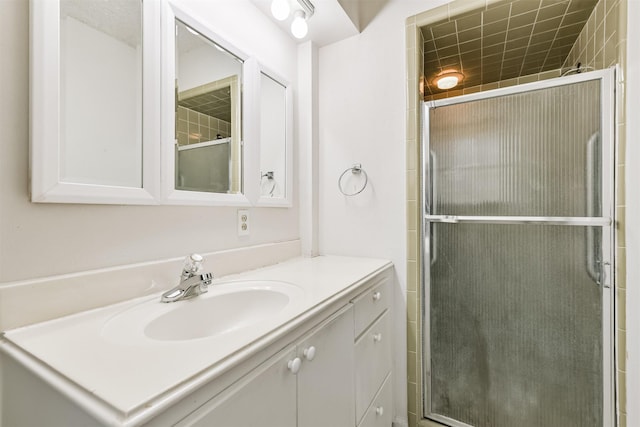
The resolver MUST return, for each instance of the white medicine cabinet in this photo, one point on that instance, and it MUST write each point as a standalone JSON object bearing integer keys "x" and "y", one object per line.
{"x": 276, "y": 139}
{"x": 142, "y": 102}
{"x": 91, "y": 139}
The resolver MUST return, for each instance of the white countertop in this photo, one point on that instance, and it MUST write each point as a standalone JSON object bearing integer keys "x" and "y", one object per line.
{"x": 132, "y": 377}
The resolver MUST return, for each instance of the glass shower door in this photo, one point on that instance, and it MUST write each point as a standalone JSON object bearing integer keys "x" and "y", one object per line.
{"x": 517, "y": 256}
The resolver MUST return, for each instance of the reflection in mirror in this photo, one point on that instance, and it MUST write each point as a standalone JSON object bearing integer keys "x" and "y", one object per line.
{"x": 101, "y": 92}
{"x": 208, "y": 115}
{"x": 273, "y": 137}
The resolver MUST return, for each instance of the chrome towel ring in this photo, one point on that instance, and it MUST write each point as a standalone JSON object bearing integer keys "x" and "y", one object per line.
{"x": 356, "y": 169}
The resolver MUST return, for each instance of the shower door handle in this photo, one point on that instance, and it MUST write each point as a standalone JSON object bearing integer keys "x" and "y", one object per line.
{"x": 593, "y": 236}
{"x": 430, "y": 200}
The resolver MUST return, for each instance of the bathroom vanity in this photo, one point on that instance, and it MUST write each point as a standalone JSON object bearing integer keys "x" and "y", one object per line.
{"x": 303, "y": 343}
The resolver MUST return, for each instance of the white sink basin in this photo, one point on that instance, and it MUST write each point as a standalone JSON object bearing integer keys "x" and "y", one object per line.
{"x": 225, "y": 308}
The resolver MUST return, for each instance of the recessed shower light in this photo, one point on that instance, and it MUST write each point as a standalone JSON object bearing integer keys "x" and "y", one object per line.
{"x": 447, "y": 80}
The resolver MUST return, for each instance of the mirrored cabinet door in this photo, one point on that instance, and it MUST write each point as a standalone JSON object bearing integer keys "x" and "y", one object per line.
{"x": 101, "y": 92}
{"x": 275, "y": 141}
{"x": 206, "y": 85}
{"x": 208, "y": 115}
{"x": 92, "y": 72}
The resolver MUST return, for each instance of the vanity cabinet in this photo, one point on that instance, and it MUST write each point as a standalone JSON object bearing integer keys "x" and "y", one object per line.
{"x": 310, "y": 383}
{"x": 326, "y": 364}
{"x": 373, "y": 356}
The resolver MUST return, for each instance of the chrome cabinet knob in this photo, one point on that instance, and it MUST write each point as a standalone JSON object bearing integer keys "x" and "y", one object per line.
{"x": 379, "y": 410}
{"x": 377, "y": 296}
{"x": 377, "y": 337}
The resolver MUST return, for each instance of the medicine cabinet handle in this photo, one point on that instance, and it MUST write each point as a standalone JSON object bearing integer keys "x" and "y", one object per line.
{"x": 377, "y": 296}
{"x": 294, "y": 365}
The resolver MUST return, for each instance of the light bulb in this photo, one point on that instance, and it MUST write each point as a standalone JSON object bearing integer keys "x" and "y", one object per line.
{"x": 447, "y": 82}
{"x": 299, "y": 26}
{"x": 448, "y": 79}
{"x": 280, "y": 9}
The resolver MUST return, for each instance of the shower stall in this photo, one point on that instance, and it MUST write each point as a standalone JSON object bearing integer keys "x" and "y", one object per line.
{"x": 518, "y": 255}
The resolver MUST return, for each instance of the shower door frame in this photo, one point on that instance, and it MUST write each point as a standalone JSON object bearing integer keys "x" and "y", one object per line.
{"x": 608, "y": 141}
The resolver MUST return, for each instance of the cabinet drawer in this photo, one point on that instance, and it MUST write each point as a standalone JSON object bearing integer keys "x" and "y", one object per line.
{"x": 369, "y": 305}
{"x": 379, "y": 413}
{"x": 372, "y": 361}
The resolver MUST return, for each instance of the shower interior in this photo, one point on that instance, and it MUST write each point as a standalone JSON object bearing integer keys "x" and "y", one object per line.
{"x": 517, "y": 255}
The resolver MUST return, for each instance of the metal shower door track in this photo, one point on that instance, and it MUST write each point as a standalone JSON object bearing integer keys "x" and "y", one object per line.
{"x": 541, "y": 220}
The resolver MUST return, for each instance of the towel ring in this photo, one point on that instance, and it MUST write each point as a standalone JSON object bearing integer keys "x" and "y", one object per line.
{"x": 269, "y": 176}
{"x": 356, "y": 169}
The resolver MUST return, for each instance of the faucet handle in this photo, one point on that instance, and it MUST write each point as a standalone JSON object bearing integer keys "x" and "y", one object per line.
{"x": 192, "y": 265}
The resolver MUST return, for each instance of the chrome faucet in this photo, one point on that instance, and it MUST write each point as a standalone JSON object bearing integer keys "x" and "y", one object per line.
{"x": 192, "y": 281}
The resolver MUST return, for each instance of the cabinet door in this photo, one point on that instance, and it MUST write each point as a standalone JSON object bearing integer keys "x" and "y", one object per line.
{"x": 266, "y": 397}
{"x": 325, "y": 380}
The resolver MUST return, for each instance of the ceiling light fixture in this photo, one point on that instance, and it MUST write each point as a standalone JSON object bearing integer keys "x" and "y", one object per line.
{"x": 303, "y": 10}
{"x": 299, "y": 27}
{"x": 280, "y": 9}
{"x": 448, "y": 79}
{"x": 307, "y": 6}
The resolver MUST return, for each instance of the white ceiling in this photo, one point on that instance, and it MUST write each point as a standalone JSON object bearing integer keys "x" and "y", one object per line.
{"x": 121, "y": 19}
{"x": 332, "y": 21}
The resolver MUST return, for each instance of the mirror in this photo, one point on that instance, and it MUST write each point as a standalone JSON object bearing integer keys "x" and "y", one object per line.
{"x": 207, "y": 100}
{"x": 208, "y": 116}
{"x": 89, "y": 136}
{"x": 101, "y": 92}
{"x": 111, "y": 78}
{"x": 275, "y": 141}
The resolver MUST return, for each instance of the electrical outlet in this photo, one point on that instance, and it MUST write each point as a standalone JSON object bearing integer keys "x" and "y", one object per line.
{"x": 243, "y": 222}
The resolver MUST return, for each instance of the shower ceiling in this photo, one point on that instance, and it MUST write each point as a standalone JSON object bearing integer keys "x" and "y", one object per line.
{"x": 215, "y": 103}
{"x": 508, "y": 39}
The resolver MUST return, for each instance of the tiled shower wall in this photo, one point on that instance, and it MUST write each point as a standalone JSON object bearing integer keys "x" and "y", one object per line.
{"x": 194, "y": 127}
{"x": 602, "y": 43}
{"x": 415, "y": 64}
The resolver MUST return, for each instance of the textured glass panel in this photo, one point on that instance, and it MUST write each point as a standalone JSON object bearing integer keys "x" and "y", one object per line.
{"x": 204, "y": 169}
{"x": 516, "y": 326}
{"x": 522, "y": 154}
